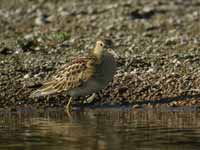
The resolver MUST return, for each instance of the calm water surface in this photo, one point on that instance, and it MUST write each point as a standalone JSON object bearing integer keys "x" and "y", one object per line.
{"x": 101, "y": 129}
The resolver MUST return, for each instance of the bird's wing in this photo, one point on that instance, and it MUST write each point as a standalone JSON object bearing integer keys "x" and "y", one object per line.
{"x": 70, "y": 76}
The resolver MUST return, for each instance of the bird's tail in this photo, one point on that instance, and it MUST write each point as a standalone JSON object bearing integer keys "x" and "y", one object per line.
{"x": 39, "y": 93}
{"x": 46, "y": 89}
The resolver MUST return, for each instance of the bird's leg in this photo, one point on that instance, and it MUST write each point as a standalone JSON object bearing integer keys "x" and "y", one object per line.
{"x": 67, "y": 108}
{"x": 91, "y": 98}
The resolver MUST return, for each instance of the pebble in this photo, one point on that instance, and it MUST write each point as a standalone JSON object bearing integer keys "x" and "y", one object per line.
{"x": 5, "y": 51}
{"x": 171, "y": 41}
{"x": 136, "y": 106}
{"x": 41, "y": 18}
{"x": 26, "y": 76}
{"x": 150, "y": 46}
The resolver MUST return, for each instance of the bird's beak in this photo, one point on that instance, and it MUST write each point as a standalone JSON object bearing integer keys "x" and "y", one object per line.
{"x": 108, "y": 43}
{"x": 108, "y": 46}
{"x": 115, "y": 55}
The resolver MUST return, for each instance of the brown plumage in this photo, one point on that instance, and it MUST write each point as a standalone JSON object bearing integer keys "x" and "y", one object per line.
{"x": 69, "y": 76}
{"x": 82, "y": 76}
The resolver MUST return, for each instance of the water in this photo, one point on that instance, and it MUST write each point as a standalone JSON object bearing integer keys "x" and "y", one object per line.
{"x": 101, "y": 129}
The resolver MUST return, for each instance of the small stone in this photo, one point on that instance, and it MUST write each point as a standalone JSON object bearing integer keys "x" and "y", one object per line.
{"x": 171, "y": 41}
{"x": 150, "y": 70}
{"x": 26, "y": 76}
{"x": 173, "y": 104}
{"x": 29, "y": 36}
{"x": 51, "y": 18}
{"x": 136, "y": 106}
{"x": 41, "y": 19}
{"x": 5, "y": 51}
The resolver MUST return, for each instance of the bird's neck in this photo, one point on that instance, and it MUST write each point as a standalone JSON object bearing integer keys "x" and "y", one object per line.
{"x": 98, "y": 54}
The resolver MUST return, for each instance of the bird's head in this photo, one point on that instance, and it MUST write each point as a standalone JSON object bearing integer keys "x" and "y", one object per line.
{"x": 104, "y": 46}
{"x": 99, "y": 48}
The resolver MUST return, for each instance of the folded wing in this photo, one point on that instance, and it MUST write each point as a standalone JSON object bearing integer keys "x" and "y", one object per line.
{"x": 68, "y": 77}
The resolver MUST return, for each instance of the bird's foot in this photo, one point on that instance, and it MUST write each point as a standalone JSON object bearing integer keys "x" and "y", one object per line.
{"x": 68, "y": 110}
{"x": 68, "y": 107}
{"x": 90, "y": 99}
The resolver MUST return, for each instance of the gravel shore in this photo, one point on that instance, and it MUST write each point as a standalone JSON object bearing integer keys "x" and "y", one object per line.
{"x": 158, "y": 43}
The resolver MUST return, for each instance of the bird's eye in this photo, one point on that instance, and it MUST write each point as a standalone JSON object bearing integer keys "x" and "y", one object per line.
{"x": 101, "y": 44}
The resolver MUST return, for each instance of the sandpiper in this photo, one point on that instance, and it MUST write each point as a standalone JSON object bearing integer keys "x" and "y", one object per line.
{"x": 83, "y": 76}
